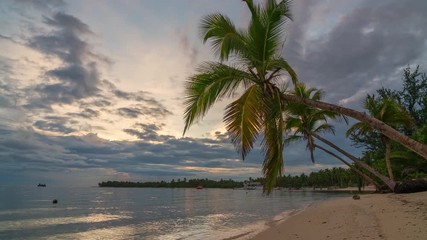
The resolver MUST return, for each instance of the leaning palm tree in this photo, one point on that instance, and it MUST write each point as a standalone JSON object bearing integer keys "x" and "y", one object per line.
{"x": 388, "y": 111}
{"x": 380, "y": 126}
{"x": 304, "y": 123}
{"x": 250, "y": 60}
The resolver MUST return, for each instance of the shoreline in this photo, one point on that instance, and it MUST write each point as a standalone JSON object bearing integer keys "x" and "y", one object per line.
{"x": 375, "y": 216}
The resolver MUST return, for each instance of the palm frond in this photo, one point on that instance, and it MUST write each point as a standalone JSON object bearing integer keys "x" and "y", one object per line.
{"x": 358, "y": 129}
{"x": 272, "y": 143}
{"x": 280, "y": 63}
{"x": 254, "y": 9}
{"x": 285, "y": 8}
{"x": 202, "y": 90}
{"x": 325, "y": 128}
{"x": 225, "y": 38}
{"x": 265, "y": 35}
{"x": 292, "y": 122}
{"x": 243, "y": 119}
{"x": 292, "y": 138}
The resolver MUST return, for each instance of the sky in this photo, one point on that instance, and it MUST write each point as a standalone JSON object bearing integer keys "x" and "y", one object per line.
{"x": 93, "y": 90}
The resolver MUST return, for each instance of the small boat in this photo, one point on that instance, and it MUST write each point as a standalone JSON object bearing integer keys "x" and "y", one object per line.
{"x": 41, "y": 185}
{"x": 199, "y": 187}
{"x": 294, "y": 188}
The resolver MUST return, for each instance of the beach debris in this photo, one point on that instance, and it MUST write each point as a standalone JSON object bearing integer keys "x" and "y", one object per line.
{"x": 54, "y": 201}
{"x": 356, "y": 197}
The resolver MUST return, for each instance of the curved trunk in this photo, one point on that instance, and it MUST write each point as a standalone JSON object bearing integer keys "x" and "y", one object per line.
{"x": 388, "y": 131}
{"x": 366, "y": 177}
{"x": 390, "y": 183}
{"x": 387, "y": 158}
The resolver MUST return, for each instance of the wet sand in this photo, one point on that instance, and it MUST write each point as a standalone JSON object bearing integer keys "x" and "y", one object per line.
{"x": 374, "y": 216}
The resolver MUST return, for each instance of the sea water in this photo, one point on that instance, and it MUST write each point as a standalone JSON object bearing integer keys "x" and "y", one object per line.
{"x": 144, "y": 213}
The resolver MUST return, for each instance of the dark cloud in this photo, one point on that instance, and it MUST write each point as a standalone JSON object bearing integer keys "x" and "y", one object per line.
{"x": 363, "y": 49}
{"x": 129, "y": 112}
{"x": 79, "y": 77}
{"x": 25, "y": 150}
{"x": 147, "y": 105}
{"x": 148, "y": 132}
{"x": 140, "y": 110}
{"x": 86, "y": 113}
{"x": 55, "y": 124}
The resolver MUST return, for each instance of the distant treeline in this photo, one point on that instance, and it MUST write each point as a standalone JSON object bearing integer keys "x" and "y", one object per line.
{"x": 338, "y": 177}
{"x": 192, "y": 183}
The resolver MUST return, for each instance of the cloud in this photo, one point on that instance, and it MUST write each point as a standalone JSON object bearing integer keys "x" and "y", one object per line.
{"x": 26, "y": 150}
{"x": 57, "y": 78}
{"x": 148, "y": 132}
{"x": 360, "y": 49}
{"x": 87, "y": 113}
{"x": 79, "y": 77}
{"x": 43, "y": 4}
{"x": 55, "y": 124}
{"x": 146, "y": 104}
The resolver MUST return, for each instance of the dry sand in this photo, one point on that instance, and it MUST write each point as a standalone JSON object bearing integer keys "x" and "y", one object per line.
{"x": 374, "y": 216}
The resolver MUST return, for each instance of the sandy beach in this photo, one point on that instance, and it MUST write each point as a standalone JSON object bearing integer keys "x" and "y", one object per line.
{"x": 374, "y": 216}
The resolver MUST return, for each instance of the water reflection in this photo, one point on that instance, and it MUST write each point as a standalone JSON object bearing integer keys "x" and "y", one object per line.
{"x": 45, "y": 222}
{"x": 94, "y": 213}
{"x": 122, "y": 232}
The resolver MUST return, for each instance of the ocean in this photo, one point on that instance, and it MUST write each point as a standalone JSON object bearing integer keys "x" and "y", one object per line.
{"x": 144, "y": 213}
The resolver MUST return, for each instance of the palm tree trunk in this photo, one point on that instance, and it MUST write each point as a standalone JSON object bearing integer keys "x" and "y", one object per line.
{"x": 390, "y": 183}
{"x": 388, "y": 131}
{"x": 387, "y": 158}
{"x": 366, "y": 177}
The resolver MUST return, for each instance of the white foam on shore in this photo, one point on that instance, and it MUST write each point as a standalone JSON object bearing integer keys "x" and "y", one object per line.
{"x": 251, "y": 230}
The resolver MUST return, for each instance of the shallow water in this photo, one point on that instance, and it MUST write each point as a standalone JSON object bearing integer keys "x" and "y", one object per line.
{"x": 143, "y": 213}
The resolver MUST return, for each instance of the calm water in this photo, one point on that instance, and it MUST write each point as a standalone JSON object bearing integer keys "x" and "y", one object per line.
{"x": 141, "y": 213}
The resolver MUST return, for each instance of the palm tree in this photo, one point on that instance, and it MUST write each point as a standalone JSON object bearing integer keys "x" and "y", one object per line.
{"x": 386, "y": 130}
{"x": 251, "y": 60}
{"x": 390, "y": 183}
{"x": 388, "y": 111}
{"x": 258, "y": 69}
{"x": 306, "y": 122}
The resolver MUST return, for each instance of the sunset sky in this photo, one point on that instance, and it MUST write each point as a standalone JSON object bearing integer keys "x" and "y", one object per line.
{"x": 93, "y": 90}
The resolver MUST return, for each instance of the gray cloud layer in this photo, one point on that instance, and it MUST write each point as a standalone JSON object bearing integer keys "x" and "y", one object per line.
{"x": 78, "y": 77}
{"x": 366, "y": 48}
{"x": 348, "y": 48}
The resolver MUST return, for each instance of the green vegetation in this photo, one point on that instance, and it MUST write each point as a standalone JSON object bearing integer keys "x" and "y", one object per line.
{"x": 192, "y": 183}
{"x": 335, "y": 177}
{"x": 390, "y": 112}
{"x": 254, "y": 64}
{"x": 305, "y": 123}
{"x": 250, "y": 61}
{"x": 406, "y": 110}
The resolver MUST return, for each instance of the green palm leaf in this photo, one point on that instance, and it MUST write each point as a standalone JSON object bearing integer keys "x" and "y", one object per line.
{"x": 222, "y": 33}
{"x": 292, "y": 138}
{"x": 258, "y": 68}
{"x": 281, "y": 63}
{"x": 265, "y": 34}
{"x": 214, "y": 81}
{"x": 243, "y": 119}
{"x": 272, "y": 144}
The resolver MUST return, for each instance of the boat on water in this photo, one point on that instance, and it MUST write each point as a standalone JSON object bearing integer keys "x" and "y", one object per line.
{"x": 199, "y": 187}
{"x": 41, "y": 185}
{"x": 294, "y": 188}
